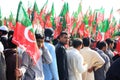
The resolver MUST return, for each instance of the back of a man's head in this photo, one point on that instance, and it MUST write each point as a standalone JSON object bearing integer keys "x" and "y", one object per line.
{"x": 109, "y": 41}
{"x": 86, "y": 42}
{"x": 76, "y": 42}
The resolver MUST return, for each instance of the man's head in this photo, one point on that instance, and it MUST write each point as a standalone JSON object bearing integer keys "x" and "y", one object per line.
{"x": 3, "y": 30}
{"x": 102, "y": 46}
{"x": 110, "y": 43}
{"x": 86, "y": 42}
{"x": 48, "y": 34}
{"x": 40, "y": 40}
{"x": 77, "y": 43}
{"x": 63, "y": 37}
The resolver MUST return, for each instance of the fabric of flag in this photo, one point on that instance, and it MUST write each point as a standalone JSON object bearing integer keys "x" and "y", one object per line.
{"x": 100, "y": 15}
{"x": 24, "y": 34}
{"x": 35, "y": 13}
{"x": 105, "y": 26}
{"x": 5, "y": 21}
{"x": 58, "y": 28}
{"x": 118, "y": 45}
{"x": 98, "y": 36}
{"x": 49, "y": 18}
{"x": 10, "y": 23}
{"x": 81, "y": 29}
{"x": 0, "y": 13}
{"x": 42, "y": 15}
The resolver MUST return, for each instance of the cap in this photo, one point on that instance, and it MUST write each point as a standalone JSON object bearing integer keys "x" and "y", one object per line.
{"x": 3, "y": 28}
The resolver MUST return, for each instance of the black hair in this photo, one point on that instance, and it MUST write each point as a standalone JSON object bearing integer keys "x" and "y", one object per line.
{"x": 97, "y": 44}
{"x": 109, "y": 41}
{"x": 48, "y": 34}
{"x": 76, "y": 42}
{"x": 10, "y": 33}
{"x": 4, "y": 32}
{"x": 39, "y": 36}
{"x": 86, "y": 41}
{"x": 101, "y": 45}
{"x": 62, "y": 33}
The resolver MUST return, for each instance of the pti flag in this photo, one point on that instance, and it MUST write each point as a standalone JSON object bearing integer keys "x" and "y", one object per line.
{"x": 24, "y": 34}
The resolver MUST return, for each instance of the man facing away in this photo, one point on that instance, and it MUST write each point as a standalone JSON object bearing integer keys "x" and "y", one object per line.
{"x": 75, "y": 60}
{"x": 92, "y": 58}
{"x": 100, "y": 74}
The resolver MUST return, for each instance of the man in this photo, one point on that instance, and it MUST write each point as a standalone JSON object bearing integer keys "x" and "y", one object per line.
{"x": 34, "y": 72}
{"x": 109, "y": 52}
{"x": 100, "y": 74}
{"x": 114, "y": 71}
{"x": 3, "y": 36}
{"x": 10, "y": 58}
{"x": 2, "y": 64}
{"x": 50, "y": 70}
{"x": 75, "y": 60}
{"x": 92, "y": 58}
{"x": 62, "y": 56}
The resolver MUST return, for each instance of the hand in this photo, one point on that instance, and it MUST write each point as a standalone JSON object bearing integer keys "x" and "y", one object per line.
{"x": 91, "y": 69}
{"x": 18, "y": 73}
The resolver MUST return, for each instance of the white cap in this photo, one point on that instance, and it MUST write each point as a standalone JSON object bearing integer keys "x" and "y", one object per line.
{"x": 4, "y": 28}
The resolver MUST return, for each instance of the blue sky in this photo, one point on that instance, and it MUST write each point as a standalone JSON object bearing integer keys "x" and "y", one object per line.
{"x": 11, "y": 5}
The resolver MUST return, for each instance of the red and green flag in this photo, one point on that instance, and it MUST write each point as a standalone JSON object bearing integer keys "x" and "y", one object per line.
{"x": 49, "y": 18}
{"x": 100, "y": 15}
{"x": 10, "y": 23}
{"x": 35, "y": 13}
{"x": 24, "y": 34}
{"x": 43, "y": 14}
{"x": 58, "y": 28}
{"x": 5, "y": 21}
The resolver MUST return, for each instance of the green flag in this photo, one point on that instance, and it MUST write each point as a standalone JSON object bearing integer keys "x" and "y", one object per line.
{"x": 0, "y": 13}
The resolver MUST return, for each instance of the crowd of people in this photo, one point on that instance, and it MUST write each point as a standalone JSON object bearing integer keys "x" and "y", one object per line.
{"x": 61, "y": 59}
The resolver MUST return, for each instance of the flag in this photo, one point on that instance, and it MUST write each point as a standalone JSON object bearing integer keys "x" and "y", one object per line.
{"x": 42, "y": 15}
{"x": 49, "y": 18}
{"x": 58, "y": 28}
{"x": 118, "y": 45}
{"x": 5, "y": 21}
{"x": 77, "y": 19}
{"x": 111, "y": 14}
{"x": 98, "y": 36}
{"x": 105, "y": 25}
{"x": 100, "y": 16}
{"x": 10, "y": 23}
{"x": 35, "y": 13}
{"x": 24, "y": 34}
{"x": 81, "y": 29}
{"x": 62, "y": 15}
{"x": 0, "y": 13}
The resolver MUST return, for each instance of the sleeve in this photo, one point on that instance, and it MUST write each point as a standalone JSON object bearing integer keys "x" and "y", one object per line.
{"x": 61, "y": 62}
{"x": 46, "y": 56}
{"x": 53, "y": 65}
{"x": 26, "y": 60}
{"x": 80, "y": 64}
{"x": 98, "y": 60}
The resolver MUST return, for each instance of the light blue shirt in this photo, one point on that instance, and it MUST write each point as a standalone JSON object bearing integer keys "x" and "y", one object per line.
{"x": 50, "y": 70}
